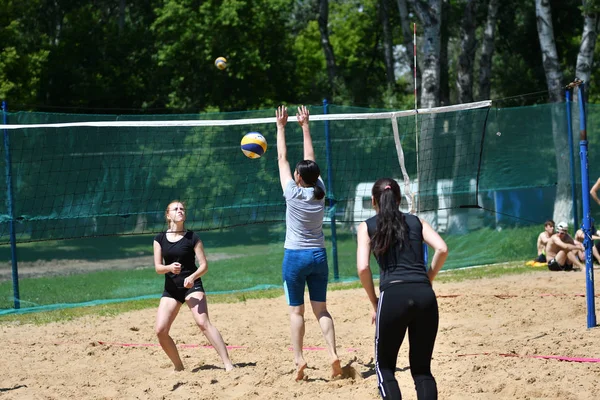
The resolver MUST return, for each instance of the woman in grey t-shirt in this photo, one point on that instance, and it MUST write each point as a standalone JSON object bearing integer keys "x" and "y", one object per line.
{"x": 305, "y": 259}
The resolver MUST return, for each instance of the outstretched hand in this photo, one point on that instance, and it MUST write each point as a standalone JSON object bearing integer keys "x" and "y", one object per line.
{"x": 302, "y": 115}
{"x": 281, "y": 116}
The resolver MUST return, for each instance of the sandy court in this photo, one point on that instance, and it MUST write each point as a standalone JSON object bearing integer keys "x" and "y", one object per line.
{"x": 538, "y": 314}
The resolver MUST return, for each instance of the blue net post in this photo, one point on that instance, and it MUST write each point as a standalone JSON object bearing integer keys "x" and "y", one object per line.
{"x": 330, "y": 196}
{"x": 10, "y": 212}
{"x": 572, "y": 157}
{"x": 587, "y": 219}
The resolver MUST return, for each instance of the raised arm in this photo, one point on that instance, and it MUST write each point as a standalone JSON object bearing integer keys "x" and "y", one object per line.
{"x": 302, "y": 116}
{"x": 594, "y": 190}
{"x": 285, "y": 174}
{"x": 433, "y": 239}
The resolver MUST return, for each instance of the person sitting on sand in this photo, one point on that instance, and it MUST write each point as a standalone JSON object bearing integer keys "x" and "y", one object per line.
{"x": 579, "y": 237}
{"x": 561, "y": 250}
{"x": 542, "y": 240}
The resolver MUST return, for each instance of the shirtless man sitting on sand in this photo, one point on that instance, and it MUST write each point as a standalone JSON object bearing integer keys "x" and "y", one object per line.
{"x": 561, "y": 250}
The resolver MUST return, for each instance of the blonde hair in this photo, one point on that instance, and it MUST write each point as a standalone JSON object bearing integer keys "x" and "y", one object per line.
{"x": 169, "y": 206}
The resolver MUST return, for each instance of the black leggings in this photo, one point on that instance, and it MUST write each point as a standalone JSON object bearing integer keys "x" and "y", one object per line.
{"x": 403, "y": 306}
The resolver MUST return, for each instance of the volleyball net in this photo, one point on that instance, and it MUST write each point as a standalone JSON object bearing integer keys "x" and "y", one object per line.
{"x": 83, "y": 195}
{"x": 95, "y": 178}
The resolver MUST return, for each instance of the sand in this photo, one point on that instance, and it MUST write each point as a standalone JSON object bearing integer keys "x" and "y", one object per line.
{"x": 490, "y": 331}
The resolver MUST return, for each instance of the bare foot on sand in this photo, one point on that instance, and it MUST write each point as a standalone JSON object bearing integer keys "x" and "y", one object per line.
{"x": 336, "y": 369}
{"x": 300, "y": 371}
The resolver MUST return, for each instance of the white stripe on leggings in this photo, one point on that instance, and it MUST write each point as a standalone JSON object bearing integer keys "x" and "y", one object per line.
{"x": 379, "y": 376}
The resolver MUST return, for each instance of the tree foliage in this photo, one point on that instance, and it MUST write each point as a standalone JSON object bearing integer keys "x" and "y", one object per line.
{"x": 156, "y": 56}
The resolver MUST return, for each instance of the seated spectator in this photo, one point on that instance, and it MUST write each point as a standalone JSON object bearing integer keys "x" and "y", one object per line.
{"x": 561, "y": 250}
{"x": 542, "y": 241}
{"x": 579, "y": 236}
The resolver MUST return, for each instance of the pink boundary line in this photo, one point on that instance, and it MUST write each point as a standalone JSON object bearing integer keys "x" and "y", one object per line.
{"x": 506, "y": 296}
{"x": 185, "y": 346}
{"x": 197, "y": 345}
{"x": 559, "y": 358}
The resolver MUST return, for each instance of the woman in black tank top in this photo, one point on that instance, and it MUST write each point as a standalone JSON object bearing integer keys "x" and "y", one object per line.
{"x": 175, "y": 255}
{"x": 406, "y": 299}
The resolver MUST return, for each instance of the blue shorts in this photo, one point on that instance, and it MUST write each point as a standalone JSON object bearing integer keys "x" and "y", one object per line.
{"x": 305, "y": 267}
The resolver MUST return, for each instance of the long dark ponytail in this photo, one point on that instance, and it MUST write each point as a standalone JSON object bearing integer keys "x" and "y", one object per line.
{"x": 310, "y": 172}
{"x": 391, "y": 224}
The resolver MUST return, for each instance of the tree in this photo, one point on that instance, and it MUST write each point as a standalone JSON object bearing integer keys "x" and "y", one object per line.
{"x": 430, "y": 15}
{"x": 23, "y": 53}
{"x": 408, "y": 41}
{"x": 466, "y": 59}
{"x": 563, "y": 204}
{"x": 585, "y": 57}
{"x": 550, "y": 59}
{"x": 388, "y": 43}
{"x": 252, "y": 35}
{"x": 487, "y": 51}
{"x": 326, "y": 44}
{"x": 464, "y": 137}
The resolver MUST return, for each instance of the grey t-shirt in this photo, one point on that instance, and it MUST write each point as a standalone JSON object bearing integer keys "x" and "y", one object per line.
{"x": 303, "y": 217}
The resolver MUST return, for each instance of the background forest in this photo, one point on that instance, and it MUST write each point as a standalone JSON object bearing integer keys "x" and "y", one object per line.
{"x": 156, "y": 56}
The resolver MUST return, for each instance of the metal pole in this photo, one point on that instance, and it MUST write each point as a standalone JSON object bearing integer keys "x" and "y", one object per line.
{"x": 330, "y": 196}
{"x": 572, "y": 158}
{"x": 587, "y": 219}
{"x": 11, "y": 219}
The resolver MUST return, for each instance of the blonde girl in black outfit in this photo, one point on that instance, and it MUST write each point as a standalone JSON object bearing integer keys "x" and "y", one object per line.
{"x": 175, "y": 255}
{"x": 406, "y": 299}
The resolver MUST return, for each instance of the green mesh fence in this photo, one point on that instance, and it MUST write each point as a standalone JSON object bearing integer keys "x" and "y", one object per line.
{"x": 88, "y": 200}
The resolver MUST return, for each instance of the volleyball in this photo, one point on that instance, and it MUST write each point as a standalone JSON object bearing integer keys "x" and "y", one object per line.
{"x": 254, "y": 145}
{"x": 221, "y": 63}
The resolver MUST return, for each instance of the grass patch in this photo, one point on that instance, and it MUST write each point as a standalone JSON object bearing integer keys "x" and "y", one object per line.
{"x": 113, "y": 309}
{"x": 245, "y": 257}
{"x": 488, "y": 271}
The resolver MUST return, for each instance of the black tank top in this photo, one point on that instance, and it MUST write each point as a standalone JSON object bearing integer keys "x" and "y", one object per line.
{"x": 182, "y": 252}
{"x": 406, "y": 264}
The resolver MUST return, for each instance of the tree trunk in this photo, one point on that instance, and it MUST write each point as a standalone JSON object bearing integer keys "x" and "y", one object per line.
{"x": 563, "y": 204}
{"x": 550, "y": 60}
{"x": 388, "y": 43}
{"x": 585, "y": 57}
{"x": 464, "y": 136}
{"x": 430, "y": 14}
{"x": 141, "y": 223}
{"x": 121, "y": 16}
{"x": 327, "y": 48}
{"x": 464, "y": 78}
{"x": 444, "y": 71}
{"x": 407, "y": 36}
{"x": 487, "y": 51}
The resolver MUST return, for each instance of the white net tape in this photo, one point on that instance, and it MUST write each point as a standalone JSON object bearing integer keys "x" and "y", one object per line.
{"x": 252, "y": 121}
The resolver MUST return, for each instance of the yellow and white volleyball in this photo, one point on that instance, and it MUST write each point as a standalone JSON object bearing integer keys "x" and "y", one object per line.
{"x": 221, "y": 63}
{"x": 253, "y": 145}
